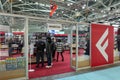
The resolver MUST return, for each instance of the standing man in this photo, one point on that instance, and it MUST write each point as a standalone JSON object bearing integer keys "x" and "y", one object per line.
{"x": 49, "y": 48}
{"x": 54, "y": 48}
{"x": 10, "y": 43}
{"x": 118, "y": 41}
{"x": 40, "y": 46}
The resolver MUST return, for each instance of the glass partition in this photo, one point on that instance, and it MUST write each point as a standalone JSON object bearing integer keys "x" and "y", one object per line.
{"x": 80, "y": 53}
{"x": 12, "y": 55}
{"x": 83, "y": 46}
{"x": 73, "y": 46}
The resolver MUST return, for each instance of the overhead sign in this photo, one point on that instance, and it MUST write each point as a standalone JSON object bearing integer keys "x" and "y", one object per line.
{"x": 54, "y": 26}
{"x": 4, "y": 28}
{"x": 102, "y": 44}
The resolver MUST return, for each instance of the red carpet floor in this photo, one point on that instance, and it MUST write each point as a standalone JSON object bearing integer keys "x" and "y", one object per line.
{"x": 57, "y": 68}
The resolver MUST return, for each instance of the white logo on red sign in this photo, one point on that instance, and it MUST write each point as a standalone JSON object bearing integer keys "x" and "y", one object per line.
{"x": 103, "y": 47}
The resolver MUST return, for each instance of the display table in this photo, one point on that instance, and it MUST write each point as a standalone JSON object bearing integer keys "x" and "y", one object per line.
{"x": 5, "y": 75}
{"x": 83, "y": 61}
{"x": 116, "y": 58}
{"x": 116, "y": 55}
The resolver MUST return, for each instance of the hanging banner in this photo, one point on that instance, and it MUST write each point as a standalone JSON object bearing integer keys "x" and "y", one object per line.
{"x": 53, "y": 9}
{"x": 102, "y": 44}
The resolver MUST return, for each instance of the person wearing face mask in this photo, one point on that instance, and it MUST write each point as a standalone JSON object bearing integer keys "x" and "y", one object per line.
{"x": 49, "y": 46}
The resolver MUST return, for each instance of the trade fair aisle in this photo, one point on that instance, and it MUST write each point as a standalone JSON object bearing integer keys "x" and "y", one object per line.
{"x": 106, "y": 74}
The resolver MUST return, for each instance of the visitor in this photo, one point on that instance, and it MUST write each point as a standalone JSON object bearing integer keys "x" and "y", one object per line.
{"x": 40, "y": 46}
{"x": 60, "y": 49}
{"x": 49, "y": 48}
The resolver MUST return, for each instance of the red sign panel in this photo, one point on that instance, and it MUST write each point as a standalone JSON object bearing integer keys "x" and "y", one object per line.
{"x": 102, "y": 44}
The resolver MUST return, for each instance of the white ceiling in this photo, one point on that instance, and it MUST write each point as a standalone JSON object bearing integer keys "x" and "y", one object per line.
{"x": 73, "y": 10}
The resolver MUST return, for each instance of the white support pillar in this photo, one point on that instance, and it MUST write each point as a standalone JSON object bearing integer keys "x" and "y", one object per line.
{"x": 76, "y": 47}
{"x": 71, "y": 42}
{"x": 26, "y": 45}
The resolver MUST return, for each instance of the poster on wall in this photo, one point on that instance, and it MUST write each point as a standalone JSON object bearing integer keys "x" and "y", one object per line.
{"x": 102, "y": 44}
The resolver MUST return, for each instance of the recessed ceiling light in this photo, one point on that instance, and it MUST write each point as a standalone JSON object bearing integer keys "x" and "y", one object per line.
{"x": 20, "y": 0}
{"x": 62, "y": 11}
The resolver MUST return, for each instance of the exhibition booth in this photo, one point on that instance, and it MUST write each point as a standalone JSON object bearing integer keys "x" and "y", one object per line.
{"x": 86, "y": 45}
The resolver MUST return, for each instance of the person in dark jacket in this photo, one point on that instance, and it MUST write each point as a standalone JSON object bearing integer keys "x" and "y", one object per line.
{"x": 118, "y": 41}
{"x": 49, "y": 48}
{"x": 88, "y": 47}
{"x": 40, "y": 46}
{"x": 10, "y": 43}
{"x": 54, "y": 49}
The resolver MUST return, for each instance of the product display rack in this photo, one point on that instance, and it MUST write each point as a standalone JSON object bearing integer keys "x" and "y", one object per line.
{"x": 12, "y": 68}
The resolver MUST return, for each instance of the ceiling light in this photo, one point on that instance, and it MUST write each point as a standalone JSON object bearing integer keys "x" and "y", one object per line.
{"x": 71, "y": 3}
{"x": 93, "y": 9}
{"x": 103, "y": 15}
{"x": 102, "y": 11}
{"x": 62, "y": 11}
{"x": 20, "y": 0}
{"x": 95, "y": 0}
{"x": 83, "y": 7}
{"x": 36, "y": 2}
{"x": 77, "y": 14}
{"x": 76, "y": 9}
{"x": 68, "y": 4}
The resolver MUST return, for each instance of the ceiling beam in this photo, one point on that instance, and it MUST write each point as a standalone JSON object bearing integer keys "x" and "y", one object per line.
{"x": 24, "y": 4}
{"x": 110, "y": 2}
{"x": 5, "y": 2}
{"x": 102, "y": 3}
{"x": 1, "y": 5}
{"x": 36, "y": 10}
{"x": 108, "y": 9}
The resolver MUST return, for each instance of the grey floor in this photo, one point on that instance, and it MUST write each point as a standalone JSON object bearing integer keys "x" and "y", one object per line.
{"x": 81, "y": 72}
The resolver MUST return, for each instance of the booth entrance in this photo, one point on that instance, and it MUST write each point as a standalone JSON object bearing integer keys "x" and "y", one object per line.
{"x": 59, "y": 31}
